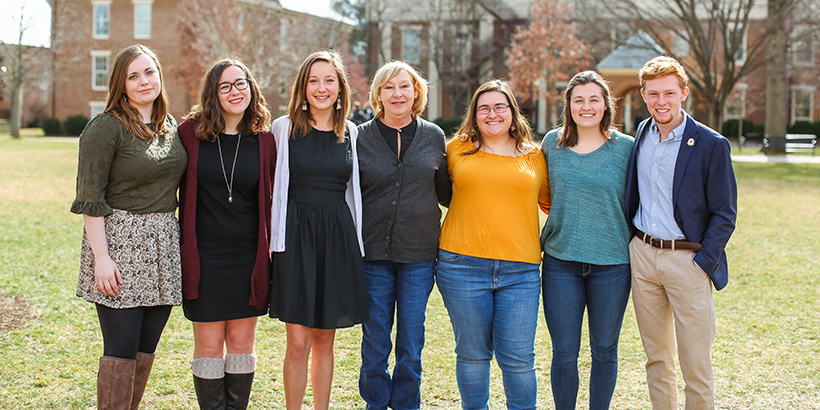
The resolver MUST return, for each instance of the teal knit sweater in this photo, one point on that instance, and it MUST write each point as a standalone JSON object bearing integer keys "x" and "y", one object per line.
{"x": 587, "y": 222}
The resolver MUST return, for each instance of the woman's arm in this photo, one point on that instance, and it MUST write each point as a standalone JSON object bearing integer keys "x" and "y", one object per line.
{"x": 106, "y": 274}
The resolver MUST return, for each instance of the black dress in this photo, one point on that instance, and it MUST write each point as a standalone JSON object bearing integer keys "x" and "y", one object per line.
{"x": 318, "y": 281}
{"x": 226, "y": 233}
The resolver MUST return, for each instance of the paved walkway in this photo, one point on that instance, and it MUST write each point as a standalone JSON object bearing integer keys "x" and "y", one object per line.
{"x": 789, "y": 159}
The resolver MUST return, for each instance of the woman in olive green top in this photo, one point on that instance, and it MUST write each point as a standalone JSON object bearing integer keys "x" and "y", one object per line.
{"x": 130, "y": 164}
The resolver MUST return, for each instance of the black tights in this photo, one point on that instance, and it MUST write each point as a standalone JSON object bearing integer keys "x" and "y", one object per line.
{"x": 128, "y": 331}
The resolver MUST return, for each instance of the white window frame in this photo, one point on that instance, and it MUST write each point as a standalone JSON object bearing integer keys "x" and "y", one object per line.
{"x": 803, "y": 36}
{"x": 96, "y": 23}
{"x": 95, "y": 71}
{"x": 95, "y": 108}
{"x": 137, "y": 34}
{"x": 738, "y": 93}
{"x": 743, "y": 42}
{"x": 810, "y": 90}
{"x": 414, "y": 30}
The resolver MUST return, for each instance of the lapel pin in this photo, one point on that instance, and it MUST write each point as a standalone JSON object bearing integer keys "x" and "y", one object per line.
{"x": 691, "y": 142}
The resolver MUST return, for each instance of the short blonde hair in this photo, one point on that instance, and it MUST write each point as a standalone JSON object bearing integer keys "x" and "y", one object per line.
{"x": 660, "y": 67}
{"x": 386, "y": 73}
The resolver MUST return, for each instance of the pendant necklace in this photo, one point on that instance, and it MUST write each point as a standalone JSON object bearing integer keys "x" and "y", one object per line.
{"x": 233, "y": 167}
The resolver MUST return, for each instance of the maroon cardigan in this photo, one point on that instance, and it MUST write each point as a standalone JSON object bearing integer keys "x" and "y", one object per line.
{"x": 260, "y": 278}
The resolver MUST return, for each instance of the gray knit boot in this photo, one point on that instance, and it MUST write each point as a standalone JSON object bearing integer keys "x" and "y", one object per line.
{"x": 209, "y": 382}
{"x": 239, "y": 371}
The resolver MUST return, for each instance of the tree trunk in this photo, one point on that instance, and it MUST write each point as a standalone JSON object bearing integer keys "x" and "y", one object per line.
{"x": 16, "y": 110}
{"x": 777, "y": 116}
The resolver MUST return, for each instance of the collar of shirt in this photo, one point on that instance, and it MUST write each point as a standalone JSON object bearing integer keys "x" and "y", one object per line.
{"x": 674, "y": 135}
{"x": 656, "y": 169}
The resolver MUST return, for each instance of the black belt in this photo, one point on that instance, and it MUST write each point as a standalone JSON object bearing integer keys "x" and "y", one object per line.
{"x": 672, "y": 244}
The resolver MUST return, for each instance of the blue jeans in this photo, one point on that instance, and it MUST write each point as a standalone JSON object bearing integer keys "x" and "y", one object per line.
{"x": 403, "y": 289}
{"x": 493, "y": 307}
{"x": 569, "y": 288}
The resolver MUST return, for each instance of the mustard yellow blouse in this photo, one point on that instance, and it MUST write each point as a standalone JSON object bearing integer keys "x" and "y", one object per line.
{"x": 494, "y": 210}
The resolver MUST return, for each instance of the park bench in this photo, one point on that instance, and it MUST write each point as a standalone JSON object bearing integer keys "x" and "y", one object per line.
{"x": 791, "y": 143}
{"x": 754, "y": 137}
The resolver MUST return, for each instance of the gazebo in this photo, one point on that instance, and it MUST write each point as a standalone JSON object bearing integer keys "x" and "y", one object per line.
{"x": 620, "y": 68}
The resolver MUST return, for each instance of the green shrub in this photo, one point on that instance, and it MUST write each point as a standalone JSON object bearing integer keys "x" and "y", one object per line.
{"x": 51, "y": 126}
{"x": 804, "y": 127}
{"x": 729, "y": 127}
{"x": 450, "y": 125}
{"x": 75, "y": 124}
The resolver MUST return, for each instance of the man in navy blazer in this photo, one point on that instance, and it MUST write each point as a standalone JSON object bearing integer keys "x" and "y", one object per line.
{"x": 681, "y": 199}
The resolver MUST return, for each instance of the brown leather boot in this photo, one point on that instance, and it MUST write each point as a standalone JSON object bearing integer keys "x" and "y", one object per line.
{"x": 115, "y": 383}
{"x": 143, "y": 369}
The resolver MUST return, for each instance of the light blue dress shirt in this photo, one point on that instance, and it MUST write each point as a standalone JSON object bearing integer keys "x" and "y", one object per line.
{"x": 656, "y": 171}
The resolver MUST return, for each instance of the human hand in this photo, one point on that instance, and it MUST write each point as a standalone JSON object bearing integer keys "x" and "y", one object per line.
{"x": 107, "y": 276}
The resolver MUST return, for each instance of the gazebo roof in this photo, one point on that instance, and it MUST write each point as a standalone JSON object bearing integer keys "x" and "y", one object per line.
{"x": 637, "y": 50}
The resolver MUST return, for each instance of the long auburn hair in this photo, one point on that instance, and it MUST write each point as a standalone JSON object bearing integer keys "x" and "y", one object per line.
{"x": 208, "y": 113}
{"x": 116, "y": 102}
{"x": 301, "y": 118}
{"x": 520, "y": 129}
{"x": 568, "y": 137}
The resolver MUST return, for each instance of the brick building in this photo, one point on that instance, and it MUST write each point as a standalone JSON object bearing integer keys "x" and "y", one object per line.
{"x": 87, "y": 35}
{"x": 480, "y": 30}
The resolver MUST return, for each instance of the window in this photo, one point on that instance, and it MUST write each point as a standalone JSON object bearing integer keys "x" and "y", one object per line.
{"x": 102, "y": 16}
{"x": 734, "y": 29}
{"x": 802, "y": 48}
{"x": 99, "y": 70}
{"x": 142, "y": 19}
{"x": 410, "y": 46}
{"x": 96, "y": 107}
{"x": 802, "y": 103}
{"x": 735, "y": 104}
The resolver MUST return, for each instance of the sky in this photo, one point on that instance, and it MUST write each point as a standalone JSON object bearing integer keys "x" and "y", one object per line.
{"x": 37, "y": 17}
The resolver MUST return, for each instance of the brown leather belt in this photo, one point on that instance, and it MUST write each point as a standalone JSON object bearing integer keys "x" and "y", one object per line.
{"x": 666, "y": 243}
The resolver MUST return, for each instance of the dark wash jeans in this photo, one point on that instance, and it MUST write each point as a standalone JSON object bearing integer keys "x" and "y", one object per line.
{"x": 569, "y": 288}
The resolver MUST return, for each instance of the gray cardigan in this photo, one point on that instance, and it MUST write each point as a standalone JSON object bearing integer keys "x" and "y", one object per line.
{"x": 401, "y": 218}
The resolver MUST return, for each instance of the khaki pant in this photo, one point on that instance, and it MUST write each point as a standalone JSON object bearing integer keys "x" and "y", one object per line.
{"x": 669, "y": 289}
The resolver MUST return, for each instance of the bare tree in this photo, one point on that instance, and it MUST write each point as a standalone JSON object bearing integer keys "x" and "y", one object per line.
{"x": 213, "y": 29}
{"x": 271, "y": 41}
{"x": 709, "y": 38}
{"x": 20, "y": 67}
{"x": 546, "y": 51}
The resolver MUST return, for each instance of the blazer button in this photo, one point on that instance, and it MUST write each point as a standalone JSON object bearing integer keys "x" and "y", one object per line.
{"x": 398, "y": 183}
{"x": 387, "y": 237}
{"x": 387, "y": 255}
{"x": 394, "y": 203}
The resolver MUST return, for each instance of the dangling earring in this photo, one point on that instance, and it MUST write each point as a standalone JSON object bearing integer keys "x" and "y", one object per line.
{"x": 125, "y": 97}
{"x": 512, "y": 128}
{"x": 304, "y": 106}
{"x": 339, "y": 103}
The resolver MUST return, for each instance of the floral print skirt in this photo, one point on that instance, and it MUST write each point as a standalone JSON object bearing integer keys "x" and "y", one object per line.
{"x": 145, "y": 248}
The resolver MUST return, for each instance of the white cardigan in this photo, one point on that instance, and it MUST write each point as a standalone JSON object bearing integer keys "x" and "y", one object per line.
{"x": 279, "y": 210}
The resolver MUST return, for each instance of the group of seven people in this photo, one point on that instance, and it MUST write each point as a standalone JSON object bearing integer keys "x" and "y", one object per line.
{"x": 326, "y": 225}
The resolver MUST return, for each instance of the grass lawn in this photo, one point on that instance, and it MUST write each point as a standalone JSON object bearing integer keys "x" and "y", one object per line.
{"x": 766, "y": 355}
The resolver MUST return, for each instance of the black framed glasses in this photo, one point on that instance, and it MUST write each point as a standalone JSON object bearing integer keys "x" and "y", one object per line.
{"x": 498, "y": 109}
{"x": 240, "y": 84}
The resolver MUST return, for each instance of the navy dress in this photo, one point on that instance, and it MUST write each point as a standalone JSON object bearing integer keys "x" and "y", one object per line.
{"x": 318, "y": 281}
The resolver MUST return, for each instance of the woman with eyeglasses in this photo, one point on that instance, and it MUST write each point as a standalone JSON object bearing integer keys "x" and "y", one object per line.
{"x": 129, "y": 166}
{"x": 316, "y": 239}
{"x": 225, "y": 201}
{"x": 489, "y": 256}
{"x": 586, "y": 240}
